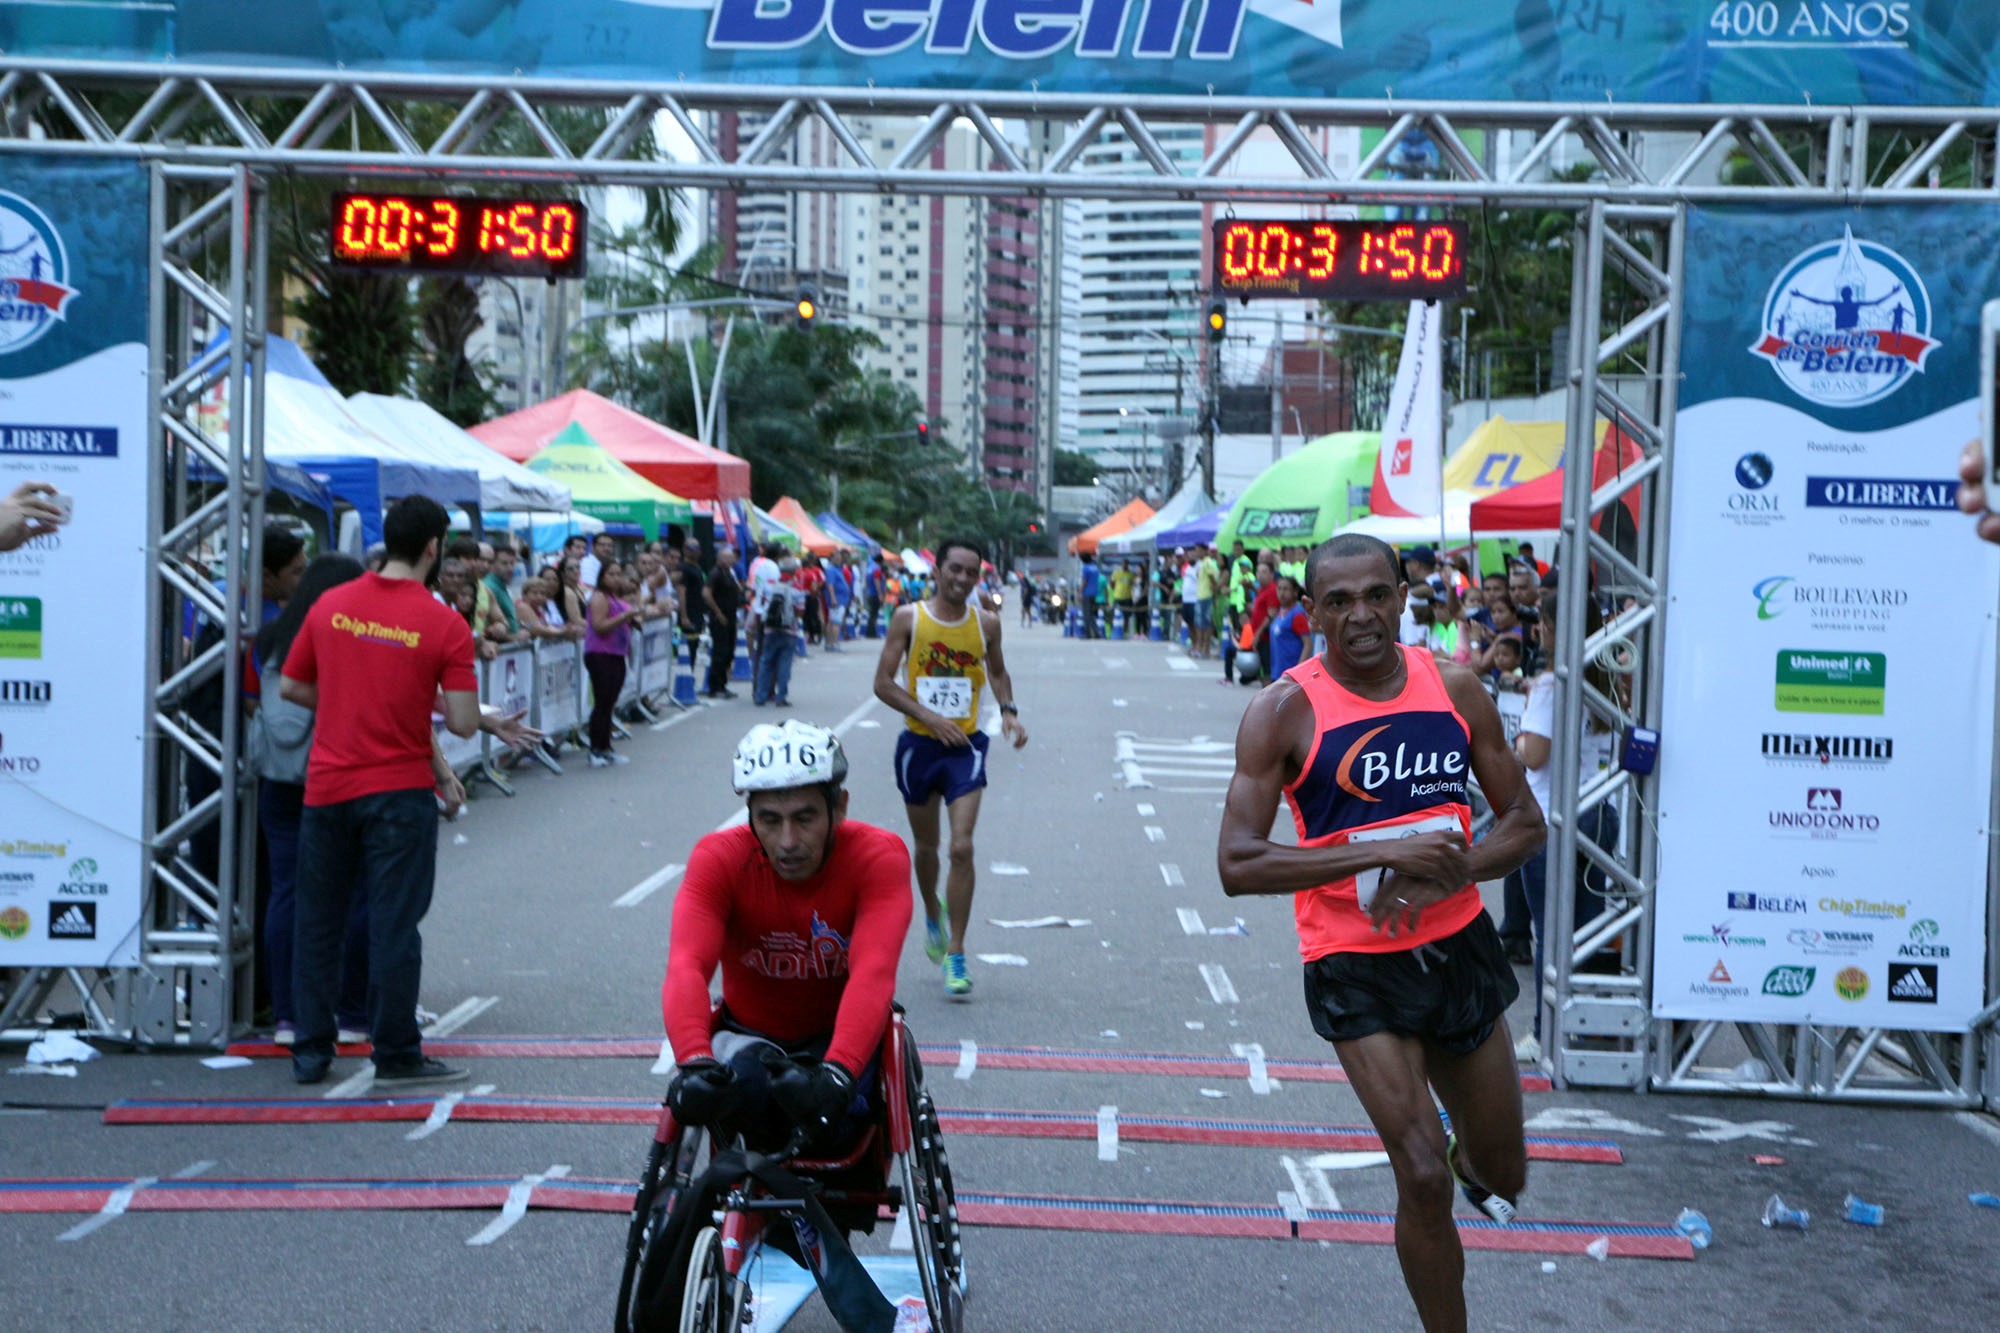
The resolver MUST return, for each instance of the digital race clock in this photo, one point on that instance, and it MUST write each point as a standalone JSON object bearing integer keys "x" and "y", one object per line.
{"x": 534, "y": 238}
{"x": 1340, "y": 261}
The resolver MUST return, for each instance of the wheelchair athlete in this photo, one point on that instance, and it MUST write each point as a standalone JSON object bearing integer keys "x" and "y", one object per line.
{"x": 805, "y": 912}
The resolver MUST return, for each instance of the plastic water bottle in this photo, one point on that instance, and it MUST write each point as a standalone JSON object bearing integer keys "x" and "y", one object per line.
{"x": 1695, "y": 1227}
{"x": 1983, "y": 1200}
{"x": 1778, "y": 1214}
{"x": 1862, "y": 1213}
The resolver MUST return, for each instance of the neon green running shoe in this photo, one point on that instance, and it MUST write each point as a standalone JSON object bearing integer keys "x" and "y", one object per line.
{"x": 957, "y": 986}
{"x": 934, "y": 941}
{"x": 1498, "y": 1207}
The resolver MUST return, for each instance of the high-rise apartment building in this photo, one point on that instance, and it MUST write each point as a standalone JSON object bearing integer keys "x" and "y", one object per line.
{"x": 778, "y": 240}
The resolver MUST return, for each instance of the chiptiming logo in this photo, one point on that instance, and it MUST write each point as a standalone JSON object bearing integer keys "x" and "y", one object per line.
{"x": 34, "y": 274}
{"x": 1846, "y": 323}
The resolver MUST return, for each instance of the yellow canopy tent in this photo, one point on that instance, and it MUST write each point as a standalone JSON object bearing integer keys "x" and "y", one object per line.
{"x": 1503, "y": 453}
{"x": 1131, "y": 516}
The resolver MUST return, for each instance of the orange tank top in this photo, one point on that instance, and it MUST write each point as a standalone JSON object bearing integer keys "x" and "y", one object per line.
{"x": 1378, "y": 770}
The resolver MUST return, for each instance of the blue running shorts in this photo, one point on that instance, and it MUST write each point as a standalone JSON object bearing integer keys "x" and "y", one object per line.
{"x": 925, "y": 767}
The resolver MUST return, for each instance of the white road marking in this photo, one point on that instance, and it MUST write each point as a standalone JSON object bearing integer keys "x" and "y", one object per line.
{"x": 1183, "y": 664}
{"x": 1289, "y": 1202}
{"x": 191, "y": 1170}
{"x": 1107, "y": 1133}
{"x": 353, "y": 1085}
{"x": 846, "y": 724}
{"x": 441, "y": 1112}
{"x": 899, "y": 1238}
{"x": 114, "y": 1207}
{"x": 649, "y": 886}
{"x": 1190, "y": 921}
{"x": 968, "y": 1058}
{"x": 675, "y": 720}
{"x": 1560, "y": 1118}
{"x": 467, "y": 1010}
{"x": 516, "y": 1206}
{"x": 1117, "y": 663}
{"x": 1715, "y": 1129}
{"x": 1171, "y": 873}
{"x": 666, "y": 1064}
{"x": 1310, "y": 1186}
{"x": 1218, "y": 983}
{"x": 1260, "y": 1077}
{"x": 1346, "y": 1161}
{"x": 1154, "y": 833}
{"x": 1145, "y": 811}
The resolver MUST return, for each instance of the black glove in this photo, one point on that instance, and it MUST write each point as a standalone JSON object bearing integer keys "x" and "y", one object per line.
{"x": 703, "y": 1091}
{"x": 814, "y": 1094}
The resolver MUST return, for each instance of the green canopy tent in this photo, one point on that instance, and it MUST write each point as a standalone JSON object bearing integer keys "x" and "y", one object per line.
{"x": 605, "y": 488}
{"x": 1303, "y": 499}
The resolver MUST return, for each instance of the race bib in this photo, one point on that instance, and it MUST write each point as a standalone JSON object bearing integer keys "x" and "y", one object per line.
{"x": 947, "y": 696}
{"x": 1367, "y": 881}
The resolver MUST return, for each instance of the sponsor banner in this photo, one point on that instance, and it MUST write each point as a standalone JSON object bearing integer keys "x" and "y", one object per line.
{"x": 558, "y": 687}
{"x": 73, "y": 414}
{"x": 1898, "y": 52}
{"x": 1831, "y": 360}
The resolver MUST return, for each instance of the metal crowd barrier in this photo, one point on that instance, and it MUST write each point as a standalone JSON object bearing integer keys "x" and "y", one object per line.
{"x": 545, "y": 678}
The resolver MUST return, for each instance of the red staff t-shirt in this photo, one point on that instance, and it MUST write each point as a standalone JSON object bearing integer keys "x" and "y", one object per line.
{"x": 380, "y": 650}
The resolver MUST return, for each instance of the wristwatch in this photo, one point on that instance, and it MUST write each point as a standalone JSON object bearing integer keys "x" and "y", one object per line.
{"x": 1010, "y": 710}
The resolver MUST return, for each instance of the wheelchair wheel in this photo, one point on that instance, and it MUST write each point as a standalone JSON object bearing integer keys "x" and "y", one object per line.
{"x": 709, "y": 1302}
{"x": 669, "y": 1167}
{"x": 932, "y": 1212}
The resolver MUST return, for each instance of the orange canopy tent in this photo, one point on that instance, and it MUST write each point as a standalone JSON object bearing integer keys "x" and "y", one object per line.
{"x": 1131, "y": 516}
{"x": 665, "y": 457}
{"x": 811, "y": 536}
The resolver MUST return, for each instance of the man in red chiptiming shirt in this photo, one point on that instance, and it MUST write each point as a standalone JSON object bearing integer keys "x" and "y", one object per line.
{"x": 370, "y": 659}
{"x": 805, "y": 911}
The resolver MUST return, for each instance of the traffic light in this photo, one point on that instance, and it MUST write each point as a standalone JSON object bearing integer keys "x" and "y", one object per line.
{"x": 1034, "y": 528}
{"x": 1218, "y": 319}
{"x": 808, "y": 307}
{"x": 923, "y": 431}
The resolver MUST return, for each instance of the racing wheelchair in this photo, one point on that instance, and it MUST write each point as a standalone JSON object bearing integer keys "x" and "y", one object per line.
{"x": 896, "y": 1168}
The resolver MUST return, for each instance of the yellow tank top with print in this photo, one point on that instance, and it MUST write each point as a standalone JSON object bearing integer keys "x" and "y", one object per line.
{"x": 947, "y": 668}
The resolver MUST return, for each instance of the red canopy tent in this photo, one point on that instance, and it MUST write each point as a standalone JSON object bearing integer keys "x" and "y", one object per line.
{"x": 662, "y": 456}
{"x": 811, "y": 536}
{"x": 1536, "y": 506}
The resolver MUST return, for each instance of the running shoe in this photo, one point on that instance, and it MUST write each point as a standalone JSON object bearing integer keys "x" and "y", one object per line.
{"x": 356, "y": 1036}
{"x": 1500, "y": 1209}
{"x": 1528, "y": 1050}
{"x": 284, "y": 1034}
{"x": 957, "y": 986}
{"x": 598, "y": 760}
{"x": 934, "y": 941}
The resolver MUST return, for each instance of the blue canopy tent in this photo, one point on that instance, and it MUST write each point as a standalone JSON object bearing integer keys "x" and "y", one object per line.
{"x": 1200, "y": 529}
{"x": 838, "y": 528}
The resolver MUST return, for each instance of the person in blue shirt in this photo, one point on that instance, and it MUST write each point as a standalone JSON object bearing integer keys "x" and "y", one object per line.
{"x": 1088, "y": 586}
{"x": 1289, "y": 629}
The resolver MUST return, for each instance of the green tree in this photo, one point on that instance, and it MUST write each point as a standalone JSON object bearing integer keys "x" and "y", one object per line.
{"x": 1074, "y": 467}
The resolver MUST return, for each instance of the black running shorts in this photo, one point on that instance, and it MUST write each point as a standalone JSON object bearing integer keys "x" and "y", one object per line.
{"x": 1451, "y": 992}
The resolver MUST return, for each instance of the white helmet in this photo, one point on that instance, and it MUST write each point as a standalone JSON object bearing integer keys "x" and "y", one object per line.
{"x": 797, "y": 754}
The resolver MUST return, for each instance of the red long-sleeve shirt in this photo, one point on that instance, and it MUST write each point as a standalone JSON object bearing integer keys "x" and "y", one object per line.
{"x": 793, "y": 955}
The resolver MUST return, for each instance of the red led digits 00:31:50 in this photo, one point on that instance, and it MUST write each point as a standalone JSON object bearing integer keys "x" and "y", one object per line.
{"x": 1340, "y": 261}
{"x": 423, "y": 233}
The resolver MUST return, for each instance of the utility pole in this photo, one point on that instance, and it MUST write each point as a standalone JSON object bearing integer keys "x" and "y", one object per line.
{"x": 1211, "y": 406}
{"x": 1278, "y": 389}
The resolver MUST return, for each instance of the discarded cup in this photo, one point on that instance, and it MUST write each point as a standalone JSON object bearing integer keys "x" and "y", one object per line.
{"x": 1861, "y": 1212}
{"x": 1779, "y": 1214}
{"x": 1983, "y": 1200}
{"x": 1599, "y": 1249}
{"x": 1695, "y": 1227}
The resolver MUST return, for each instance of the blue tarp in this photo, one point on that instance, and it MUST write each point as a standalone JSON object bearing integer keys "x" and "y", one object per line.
{"x": 1201, "y": 529}
{"x": 838, "y": 528}
{"x": 282, "y": 356}
{"x": 289, "y": 478}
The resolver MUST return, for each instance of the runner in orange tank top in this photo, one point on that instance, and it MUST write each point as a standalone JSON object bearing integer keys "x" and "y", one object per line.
{"x": 1372, "y": 746}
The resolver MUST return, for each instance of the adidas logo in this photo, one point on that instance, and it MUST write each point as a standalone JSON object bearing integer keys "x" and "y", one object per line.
{"x": 77, "y": 921}
{"x": 1913, "y": 984}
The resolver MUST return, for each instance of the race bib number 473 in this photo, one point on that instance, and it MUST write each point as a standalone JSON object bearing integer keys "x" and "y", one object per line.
{"x": 947, "y": 696}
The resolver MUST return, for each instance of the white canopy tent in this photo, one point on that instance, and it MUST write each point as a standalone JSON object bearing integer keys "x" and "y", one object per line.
{"x": 504, "y": 485}
{"x": 1190, "y": 501}
{"x": 1454, "y": 528}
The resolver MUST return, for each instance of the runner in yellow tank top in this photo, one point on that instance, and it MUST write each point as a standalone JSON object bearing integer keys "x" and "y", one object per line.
{"x": 941, "y": 657}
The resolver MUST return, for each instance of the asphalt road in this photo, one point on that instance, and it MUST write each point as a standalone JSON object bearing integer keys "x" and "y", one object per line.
{"x": 525, "y": 918}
